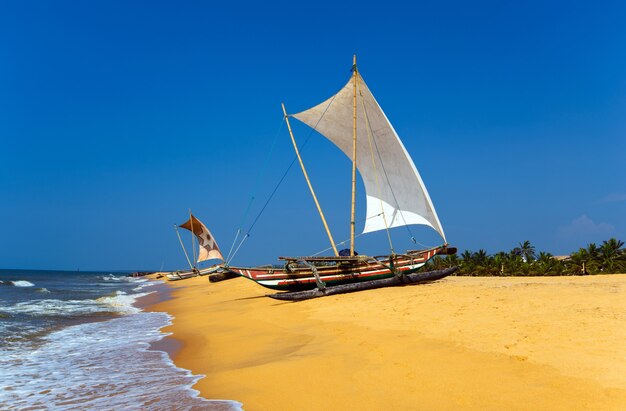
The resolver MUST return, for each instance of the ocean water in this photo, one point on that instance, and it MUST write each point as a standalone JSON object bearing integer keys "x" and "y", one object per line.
{"x": 75, "y": 341}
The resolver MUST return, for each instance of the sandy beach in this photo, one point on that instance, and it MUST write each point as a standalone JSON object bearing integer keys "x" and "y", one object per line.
{"x": 541, "y": 343}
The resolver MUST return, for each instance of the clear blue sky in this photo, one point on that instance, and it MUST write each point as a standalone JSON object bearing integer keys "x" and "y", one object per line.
{"x": 117, "y": 117}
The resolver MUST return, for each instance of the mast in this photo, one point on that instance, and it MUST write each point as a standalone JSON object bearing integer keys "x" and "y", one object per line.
{"x": 306, "y": 177}
{"x": 352, "y": 211}
{"x": 183, "y": 247}
{"x": 193, "y": 243}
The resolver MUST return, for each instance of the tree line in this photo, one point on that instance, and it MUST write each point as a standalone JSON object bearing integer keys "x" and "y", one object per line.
{"x": 607, "y": 258}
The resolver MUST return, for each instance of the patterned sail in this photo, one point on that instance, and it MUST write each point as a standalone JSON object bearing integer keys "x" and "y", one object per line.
{"x": 396, "y": 195}
{"x": 208, "y": 249}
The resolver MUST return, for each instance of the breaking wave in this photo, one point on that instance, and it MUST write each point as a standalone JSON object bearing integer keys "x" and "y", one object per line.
{"x": 103, "y": 365}
{"x": 17, "y": 283}
{"x": 120, "y": 302}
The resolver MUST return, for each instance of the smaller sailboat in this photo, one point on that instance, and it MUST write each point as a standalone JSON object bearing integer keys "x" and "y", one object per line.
{"x": 207, "y": 250}
{"x": 395, "y": 196}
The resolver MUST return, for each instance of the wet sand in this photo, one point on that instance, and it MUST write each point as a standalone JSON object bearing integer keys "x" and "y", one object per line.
{"x": 542, "y": 343}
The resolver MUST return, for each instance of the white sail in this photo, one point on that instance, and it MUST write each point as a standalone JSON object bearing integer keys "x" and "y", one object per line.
{"x": 396, "y": 195}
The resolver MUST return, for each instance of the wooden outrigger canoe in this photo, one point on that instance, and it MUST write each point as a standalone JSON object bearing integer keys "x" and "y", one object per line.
{"x": 306, "y": 273}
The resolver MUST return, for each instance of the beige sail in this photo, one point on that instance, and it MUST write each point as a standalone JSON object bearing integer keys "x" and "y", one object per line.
{"x": 395, "y": 192}
{"x": 208, "y": 249}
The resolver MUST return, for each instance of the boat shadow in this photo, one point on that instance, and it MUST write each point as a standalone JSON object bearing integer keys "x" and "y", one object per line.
{"x": 249, "y": 298}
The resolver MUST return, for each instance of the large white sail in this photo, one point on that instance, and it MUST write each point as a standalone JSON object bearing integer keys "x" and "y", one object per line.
{"x": 207, "y": 246}
{"x": 395, "y": 192}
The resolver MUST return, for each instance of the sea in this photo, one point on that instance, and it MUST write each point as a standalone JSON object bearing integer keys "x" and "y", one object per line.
{"x": 77, "y": 341}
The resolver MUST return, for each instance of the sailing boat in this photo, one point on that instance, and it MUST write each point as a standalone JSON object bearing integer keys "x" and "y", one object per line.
{"x": 207, "y": 250}
{"x": 395, "y": 197}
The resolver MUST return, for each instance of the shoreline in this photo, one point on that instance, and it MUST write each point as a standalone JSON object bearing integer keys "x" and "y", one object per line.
{"x": 463, "y": 342}
{"x": 162, "y": 292}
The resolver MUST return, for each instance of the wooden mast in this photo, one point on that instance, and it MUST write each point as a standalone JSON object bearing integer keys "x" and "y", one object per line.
{"x": 352, "y": 211}
{"x": 306, "y": 177}
{"x": 183, "y": 247}
{"x": 193, "y": 243}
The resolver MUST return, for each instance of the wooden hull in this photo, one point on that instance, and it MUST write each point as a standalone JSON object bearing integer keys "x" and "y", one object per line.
{"x": 181, "y": 275}
{"x": 333, "y": 272}
{"x": 223, "y": 276}
{"x": 415, "y": 278}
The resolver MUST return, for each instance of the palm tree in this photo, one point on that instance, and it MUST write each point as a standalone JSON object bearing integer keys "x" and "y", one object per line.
{"x": 578, "y": 261}
{"x": 481, "y": 262}
{"x": 527, "y": 251}
{"x": 594, "y": 252}
{"x": 437, "y": 263}
{"x": 611, "y": 255}
{"x": 498, "y": 262}
{"x": 467, "y": 263}
{"x": 452, "y": 260}
{"x": 547, "y": 265}
{"x": 516, "y": 265}
{"x": 480, "y": 257}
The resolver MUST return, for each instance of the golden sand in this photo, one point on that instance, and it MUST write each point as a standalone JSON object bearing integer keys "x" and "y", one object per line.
{"x": 555, "y": 343}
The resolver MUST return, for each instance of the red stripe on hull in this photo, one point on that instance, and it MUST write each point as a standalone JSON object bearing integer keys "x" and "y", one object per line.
{"x": 301, "y": 278}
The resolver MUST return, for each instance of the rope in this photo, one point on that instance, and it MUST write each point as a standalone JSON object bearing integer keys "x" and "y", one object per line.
{"x": 341, "y": 243}
{"x": 370, "y": 137}
{"x": 245, "y": 237}
{"x": 301, "y": 148}
{"x": 345, "y": 241}
{"x": 254, "y": 189}
{"x": 391, "y": 188}
{"x": 183, "y": 246}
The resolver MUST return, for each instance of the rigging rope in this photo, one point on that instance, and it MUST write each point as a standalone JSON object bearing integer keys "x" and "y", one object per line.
{"x": 370, "y": 137}
{"x": 256, "y": 219}
{"x": 254, "y": 189}
{"x": 183, "y": 246}
{"x": 345, "y": 241}
{"x": 391, "y": 187}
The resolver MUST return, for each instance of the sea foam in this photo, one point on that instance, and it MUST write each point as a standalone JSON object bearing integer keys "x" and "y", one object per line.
{"x": 101, "y": 365}
{"x": 119, "y": 302}
{"x": 17, "y": 283}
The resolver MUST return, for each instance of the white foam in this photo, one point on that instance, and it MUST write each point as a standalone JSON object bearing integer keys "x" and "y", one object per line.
{"x": 123, "y": 278}
{"x": 120, "y": 302}
{"x": 145, "y": 285}
{"x": 111, "y": 277}
{"x": 22, "y": 283}
{"x": 102, "y": 365}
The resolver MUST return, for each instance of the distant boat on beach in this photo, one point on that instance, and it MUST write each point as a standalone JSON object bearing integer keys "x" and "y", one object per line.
{"x": 395, "y": 196}
{"x": 140, "y": 273}
{"x": 207, "y": 250}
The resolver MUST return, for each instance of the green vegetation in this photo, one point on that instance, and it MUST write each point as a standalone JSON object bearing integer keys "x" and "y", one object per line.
{"x": 608, "y": 258}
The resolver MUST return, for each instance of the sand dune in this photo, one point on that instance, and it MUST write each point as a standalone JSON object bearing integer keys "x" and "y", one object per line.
{"x": 461, "y": 343}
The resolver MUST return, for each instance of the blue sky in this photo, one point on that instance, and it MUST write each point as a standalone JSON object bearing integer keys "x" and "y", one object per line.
{"x": 117, "y": 117}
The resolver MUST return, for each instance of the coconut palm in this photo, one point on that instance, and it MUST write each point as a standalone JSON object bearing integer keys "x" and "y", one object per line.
{"x": 452, "y": 260}
{"x": 480, "y": 260}
{"x": 546, "y": 264}
{"x": 480, "y": 257}
{"x": 437, "y": 263}
{"x": 467, "y": 263}
{"x": 527, "y": 251}
{"x": 594, "y": 251}
{"x": 611, "y": 255}
{"x": 578, "y": 261}
{"x": 498, "y": 263}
